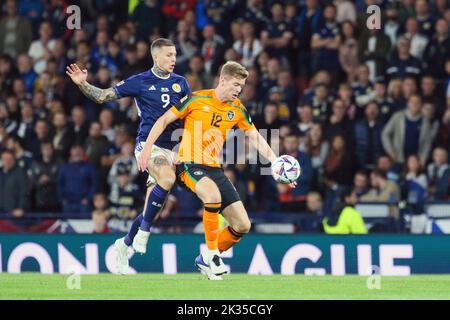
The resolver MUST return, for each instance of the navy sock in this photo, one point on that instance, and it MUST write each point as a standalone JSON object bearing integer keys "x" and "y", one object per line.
{"x": 154, "y": 204}
{"x": 133, "y": 230}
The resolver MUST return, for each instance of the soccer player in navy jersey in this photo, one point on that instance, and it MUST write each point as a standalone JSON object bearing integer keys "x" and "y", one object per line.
{"x": 154, "y": 92}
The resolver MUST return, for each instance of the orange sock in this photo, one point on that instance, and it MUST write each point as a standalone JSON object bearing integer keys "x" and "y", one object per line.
{"x": 211, "y": 224}
{"x": 228, "y": 238}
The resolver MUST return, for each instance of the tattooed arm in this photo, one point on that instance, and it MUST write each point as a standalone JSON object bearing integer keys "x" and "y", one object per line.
{"x": 98, "y": 95}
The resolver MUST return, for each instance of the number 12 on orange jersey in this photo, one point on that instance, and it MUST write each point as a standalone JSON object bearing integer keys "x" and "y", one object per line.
{"x": 216, "y": 119}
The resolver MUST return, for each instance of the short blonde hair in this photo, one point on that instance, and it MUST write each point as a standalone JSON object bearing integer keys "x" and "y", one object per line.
{"x": 234, "y": 69}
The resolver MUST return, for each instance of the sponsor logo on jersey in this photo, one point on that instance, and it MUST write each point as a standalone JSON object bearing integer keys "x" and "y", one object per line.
{"x": 120, "y": 83}
{"x": 152, "y": 88}
{"x": 198, "y": 173}
{"x": 176, "y": 87}
{"x": 164, "y": 89}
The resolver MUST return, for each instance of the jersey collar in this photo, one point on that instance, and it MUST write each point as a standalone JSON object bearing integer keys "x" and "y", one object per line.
{"x": 151, "y": 70}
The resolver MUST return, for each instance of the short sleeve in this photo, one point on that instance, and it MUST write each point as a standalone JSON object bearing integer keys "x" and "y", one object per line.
{"x": 129, "y": 87}
{"x": 186, "y": 87}
{"x": 245, "y": 122}
{"x": 181, "y": 109}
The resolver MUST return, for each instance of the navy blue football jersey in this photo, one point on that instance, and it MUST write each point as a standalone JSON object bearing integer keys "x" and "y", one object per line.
{"x": 153, "y": 96}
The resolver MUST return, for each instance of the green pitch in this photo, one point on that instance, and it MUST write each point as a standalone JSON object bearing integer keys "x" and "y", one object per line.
{"x": 235, "y": 286}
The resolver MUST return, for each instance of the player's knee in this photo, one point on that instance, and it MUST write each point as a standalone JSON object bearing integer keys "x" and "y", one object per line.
{"x": 242, "y": 226}
{"x": 166, "y": 180}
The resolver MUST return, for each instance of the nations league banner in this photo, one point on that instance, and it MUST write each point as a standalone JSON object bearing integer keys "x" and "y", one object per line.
{"x": 256, "y": 254}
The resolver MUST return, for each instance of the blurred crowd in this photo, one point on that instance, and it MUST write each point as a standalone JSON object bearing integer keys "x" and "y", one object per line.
{"x": 365, "y": 110}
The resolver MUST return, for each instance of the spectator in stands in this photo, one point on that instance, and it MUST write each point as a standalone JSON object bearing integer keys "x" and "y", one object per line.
{"x": 25, "y": 128}
{"x": 101, "y": 214}
{"x": 386, "y": 164}
{"x": 374, "y": 47}
{"x": 367, "y": 137}
{"x": 338, "y": 123}
{"x": 44, "y": 173}
{"x": 197, "y": 68}
{"x": 438, "y": 173}
{"x": 392, "y": 24}
{"x": 430, "y": 92}
{"x": 186, "y": 45}
{"x": 13, "y": 187}
{"x": 288, "y": 90}
{"x": 383, "y": 190}
{"x": 76, "y": 184}
{"x": 100, "y": 223}
{"x": 362, "y": 88}
{"x": 408, "y": 123}
{"x": 305, "y": 118}
{"x": 402, "y": 62}
{"x": 40, "y": 49}
{"x": 429, "y": 112}
{"x": 345, "y": 93}
{"x": 277, "y": 35}
{"x": 106, "y": 120}
{"x": 314, "y": 203}
{"x": 42, "y": 133}
{"x": 325, "y": 43}
{"x": 425, "y": 18}
{"x": 320, "y": 100}
{"x": 62, "y": 138}
{"x": 418, "y": 41}
{"x": 348, "y": 50}
{"x": 385, "y": 104}
{"x": 395, "y": 94}
{"x": 125, "y": 198}
{"x": 7, "y": 75}
{"x": 28, "y": 75}
{"x": 147, "y": 17}
{"x": 15, "y": 31}
{"x": 317, "y": 148}
{"x": 131, "y": 65}
{"x": 295, "y": 199}
{"x": 308, "y": 22}
{"x": 344, "y": 218}
{"x": 360, "y": 184}
{"x": 6, "y": 121}
{"x": 126, "y": 160}
{"x": 338, "y": 166}
{"x": 212, "y": 49}
{"x": 438, "y": 50}
{"x": 249, "y": 46}
{"x": 23, "y": 158}
{"x": 96, "y": 144}
{"x": 415, "y": 185}
{"x": 270, "y": 118}
{"x": 79, "y": 127}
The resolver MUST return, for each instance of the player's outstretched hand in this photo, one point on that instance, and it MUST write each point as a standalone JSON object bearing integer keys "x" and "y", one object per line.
{"x": 293, "y": 184}
{"x": 143, "y": 160}
{"x": 76, "y": 74}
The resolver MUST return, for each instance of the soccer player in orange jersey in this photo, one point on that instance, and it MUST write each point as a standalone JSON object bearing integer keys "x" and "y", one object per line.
{"x": 209, "y": 115}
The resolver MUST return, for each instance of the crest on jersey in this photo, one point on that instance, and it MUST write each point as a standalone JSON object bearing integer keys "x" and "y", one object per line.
{"x": 176, "y": 87}
{"x": 230, "y": 115}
